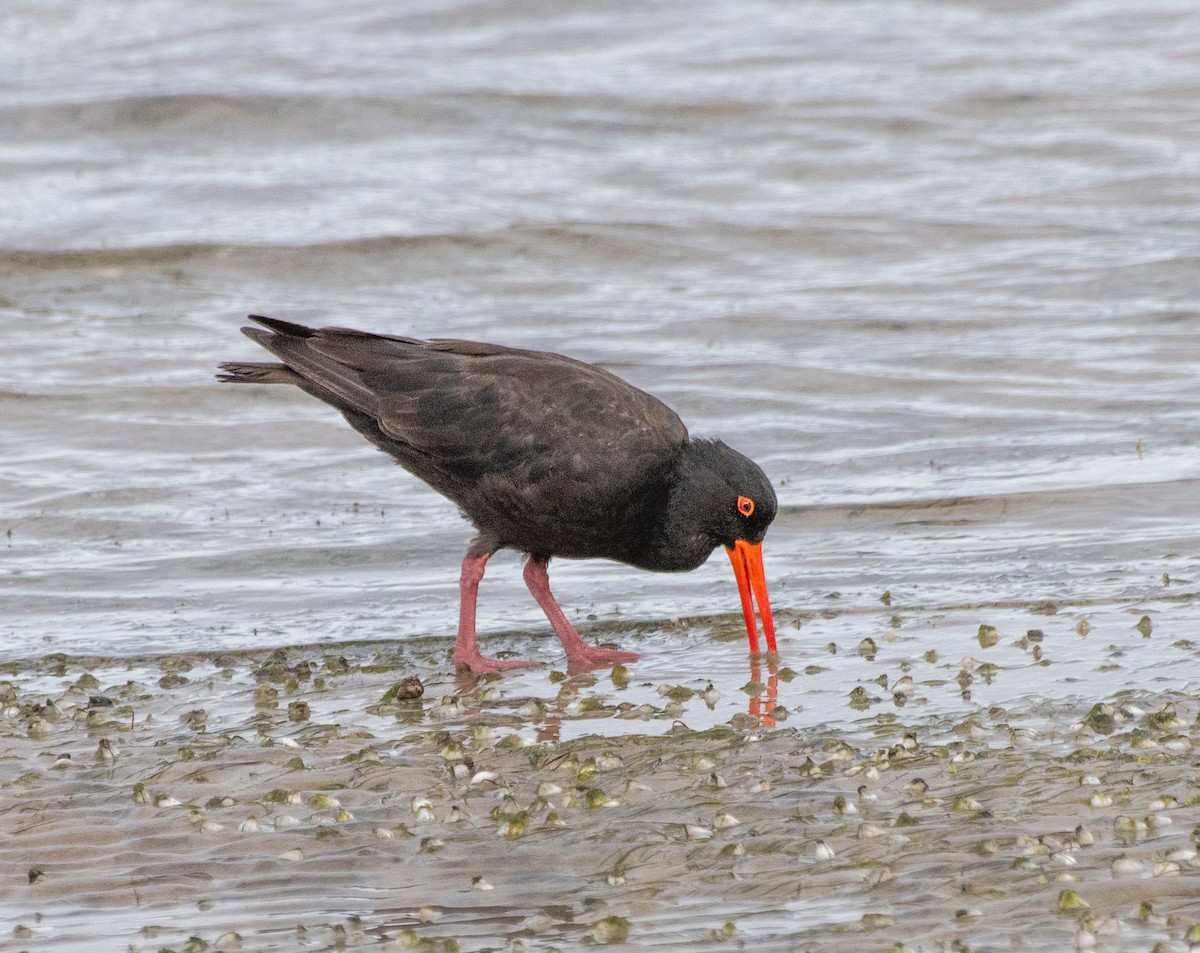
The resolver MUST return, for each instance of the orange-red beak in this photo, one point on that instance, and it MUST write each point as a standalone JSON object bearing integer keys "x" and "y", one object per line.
{"x": 752, "y": 584}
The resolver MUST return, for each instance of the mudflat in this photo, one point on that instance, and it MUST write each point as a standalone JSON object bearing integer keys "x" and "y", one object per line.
{"x": 301, "y": 799}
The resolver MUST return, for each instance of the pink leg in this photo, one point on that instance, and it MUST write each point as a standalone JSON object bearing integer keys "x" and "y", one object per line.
{"x": 466, "y": 651}
{"x": 578, "y": 651}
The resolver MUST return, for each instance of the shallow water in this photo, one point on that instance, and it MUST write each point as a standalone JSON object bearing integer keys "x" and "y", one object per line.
{"x": 933, "y": 265}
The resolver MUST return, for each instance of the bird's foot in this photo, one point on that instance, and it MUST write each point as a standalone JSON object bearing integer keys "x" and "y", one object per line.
{"x": 482, "y": 664}
{"x": 586, "y": 656}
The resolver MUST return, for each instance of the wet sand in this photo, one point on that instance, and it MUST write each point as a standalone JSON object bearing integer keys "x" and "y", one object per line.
{"x": 276, "y": 801}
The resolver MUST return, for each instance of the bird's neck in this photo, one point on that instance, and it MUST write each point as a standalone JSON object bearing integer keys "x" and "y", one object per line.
{"x": 684, "y": 534}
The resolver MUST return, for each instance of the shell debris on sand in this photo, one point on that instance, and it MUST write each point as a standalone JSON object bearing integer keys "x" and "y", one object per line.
{"x": 205, "y": 818}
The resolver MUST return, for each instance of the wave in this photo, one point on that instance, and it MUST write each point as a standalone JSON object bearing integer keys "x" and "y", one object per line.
{"x": 617, "y": 238}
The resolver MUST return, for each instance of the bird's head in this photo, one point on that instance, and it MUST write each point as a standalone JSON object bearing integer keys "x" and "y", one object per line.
{"x": 724, "y": 499}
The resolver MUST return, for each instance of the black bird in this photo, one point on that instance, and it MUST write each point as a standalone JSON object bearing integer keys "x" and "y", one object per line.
{"x": 543, "y": 454}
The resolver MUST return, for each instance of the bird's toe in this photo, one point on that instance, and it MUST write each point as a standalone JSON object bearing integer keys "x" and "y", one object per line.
{"x": 591, "y": 656}
{"x": 482, "y": 664}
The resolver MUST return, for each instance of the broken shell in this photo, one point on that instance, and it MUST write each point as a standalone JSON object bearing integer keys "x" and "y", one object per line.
{"x": 448, "y": 708}
{"x": 1069, "y": 901}
{"x": 512, "y": 828}
{"x": 598, "y": 799}
{"x": 610, "y": 930}
{"x": 422, "y": 809}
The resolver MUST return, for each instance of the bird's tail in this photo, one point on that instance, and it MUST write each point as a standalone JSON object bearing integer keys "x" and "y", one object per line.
{"x": 239, "y": 372}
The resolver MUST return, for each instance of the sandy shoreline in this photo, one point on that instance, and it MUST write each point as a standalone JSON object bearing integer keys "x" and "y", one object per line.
{"x": 270, "y": 802}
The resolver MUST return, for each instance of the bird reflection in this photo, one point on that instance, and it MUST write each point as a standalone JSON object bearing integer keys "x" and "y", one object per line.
{"x": 548, "y": 726}
{"x": 764, "y": 702}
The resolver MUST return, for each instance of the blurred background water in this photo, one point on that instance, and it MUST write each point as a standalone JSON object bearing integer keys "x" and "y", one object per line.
{"x": 932, "y": 264}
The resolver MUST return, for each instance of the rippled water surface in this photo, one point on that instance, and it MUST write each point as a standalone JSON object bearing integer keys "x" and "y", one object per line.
{"x": 933, "y": 264}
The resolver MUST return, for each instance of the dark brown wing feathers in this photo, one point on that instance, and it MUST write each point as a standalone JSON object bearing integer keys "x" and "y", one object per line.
{"x": 536, "y": 448}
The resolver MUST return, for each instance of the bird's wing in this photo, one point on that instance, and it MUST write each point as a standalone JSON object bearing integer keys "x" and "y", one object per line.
{"x": 497, "y": 420}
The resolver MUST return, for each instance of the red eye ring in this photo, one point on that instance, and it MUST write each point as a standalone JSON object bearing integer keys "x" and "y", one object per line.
{"x": 745, "y": 506}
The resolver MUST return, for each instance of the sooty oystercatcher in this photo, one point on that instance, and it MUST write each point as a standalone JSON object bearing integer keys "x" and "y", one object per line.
{"x": 543, "y": 454}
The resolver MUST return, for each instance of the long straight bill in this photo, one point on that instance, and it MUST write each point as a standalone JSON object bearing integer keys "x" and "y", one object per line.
{"x": 746, "y": 559}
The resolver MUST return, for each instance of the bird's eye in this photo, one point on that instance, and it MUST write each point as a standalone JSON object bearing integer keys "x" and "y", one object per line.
{"x": 745, "y": 505}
